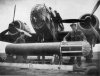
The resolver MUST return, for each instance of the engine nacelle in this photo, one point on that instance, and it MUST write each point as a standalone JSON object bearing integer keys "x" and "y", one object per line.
{"x": 18, "y": 24}
{"x": 89, "y": 20}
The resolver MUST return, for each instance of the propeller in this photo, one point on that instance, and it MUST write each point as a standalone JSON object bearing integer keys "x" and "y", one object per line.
{"x": 93, "y": 11}
{"x": 79, "y": 20}
{"x": 95, "y": 32}
{"x": 72, "y": 20}
{"x": 14, "y": 13}
{"x": 95, "y": 7}
{"x": 26, "y": 33}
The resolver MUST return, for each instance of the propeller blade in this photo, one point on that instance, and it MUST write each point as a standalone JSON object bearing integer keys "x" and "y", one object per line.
{"x": 26, "y": 33}
{"x": 95, "y": 32}
{"x": 72, "y": 20}
{"x": 14, "y": 13}
{"x": 95, "y": 7}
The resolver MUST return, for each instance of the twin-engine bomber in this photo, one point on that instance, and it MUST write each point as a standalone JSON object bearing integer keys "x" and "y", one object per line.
{"x": 48, "y": 39}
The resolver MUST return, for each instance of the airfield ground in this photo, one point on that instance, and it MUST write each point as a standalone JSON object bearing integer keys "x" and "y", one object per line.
{"x": 9, "y": 70}
{"x": 36, "y": 72}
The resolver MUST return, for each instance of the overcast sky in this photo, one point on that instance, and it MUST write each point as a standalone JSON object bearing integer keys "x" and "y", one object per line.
{"x": 67, "y": 8}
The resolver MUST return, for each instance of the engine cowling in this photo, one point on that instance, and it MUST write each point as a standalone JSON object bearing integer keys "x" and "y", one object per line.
{"x": 18, "y": 24}
{"x": 89, "y": 20}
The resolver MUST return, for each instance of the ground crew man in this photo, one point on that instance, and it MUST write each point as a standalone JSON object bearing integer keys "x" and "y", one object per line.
{"x": 75, "y": 35}
{"x": 21, "y": 39}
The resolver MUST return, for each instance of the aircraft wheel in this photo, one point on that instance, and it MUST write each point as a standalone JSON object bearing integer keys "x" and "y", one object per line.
{"x": 92, "y": 71}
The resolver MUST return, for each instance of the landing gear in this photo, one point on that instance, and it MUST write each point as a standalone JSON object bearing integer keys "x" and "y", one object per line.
{"x": 21, "y": 59}
{"x": 16, "y": 59}
{"x": 10, "y": 58}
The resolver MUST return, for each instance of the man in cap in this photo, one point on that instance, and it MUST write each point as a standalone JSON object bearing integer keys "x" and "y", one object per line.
{"x": 75, "y": 35}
